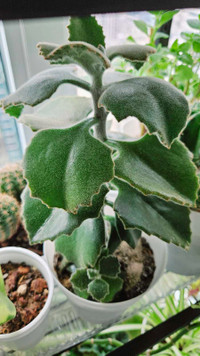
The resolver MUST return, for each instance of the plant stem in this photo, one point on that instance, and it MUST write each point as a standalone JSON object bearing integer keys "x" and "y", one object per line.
{"x": 176, "y": 338}
{"x": 99, "y": 113}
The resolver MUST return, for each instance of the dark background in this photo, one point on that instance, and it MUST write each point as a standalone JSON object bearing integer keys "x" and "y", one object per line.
{"x": 19, "y": 9}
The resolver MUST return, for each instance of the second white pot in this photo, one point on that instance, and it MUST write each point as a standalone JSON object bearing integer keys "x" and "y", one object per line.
{"x": 31, "y": 334}
{"x": 107, "y": 312}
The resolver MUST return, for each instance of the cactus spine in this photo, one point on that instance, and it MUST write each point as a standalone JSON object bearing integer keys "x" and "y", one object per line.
{"x": 9, "y": 216}
{"x": 11, "y": 180}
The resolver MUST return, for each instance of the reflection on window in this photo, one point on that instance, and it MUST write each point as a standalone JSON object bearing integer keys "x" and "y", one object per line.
{"x": 10, "y": 148}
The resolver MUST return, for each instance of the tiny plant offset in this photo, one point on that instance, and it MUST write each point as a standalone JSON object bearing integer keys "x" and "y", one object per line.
{"x": 7, "y": 308}
{"x": 72, "y": 162}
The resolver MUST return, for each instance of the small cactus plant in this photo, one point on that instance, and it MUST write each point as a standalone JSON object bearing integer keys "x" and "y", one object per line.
{"x": 9, "y": 216}
{"x": 11, "y": 180}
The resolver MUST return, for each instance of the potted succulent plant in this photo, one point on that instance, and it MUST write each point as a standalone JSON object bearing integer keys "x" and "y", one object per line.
{"x": 26, "y": 291}
{"x": 72, "y": 164}
{"x": 12, "y": 232}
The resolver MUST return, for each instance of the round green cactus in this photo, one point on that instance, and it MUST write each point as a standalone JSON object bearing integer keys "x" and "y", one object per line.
{"x": 11, "y": 180}
{"x": 9, "y": 216}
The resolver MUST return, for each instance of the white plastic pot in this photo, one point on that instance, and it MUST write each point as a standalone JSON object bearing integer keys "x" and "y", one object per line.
{"x": 186, "y": 262}
{"x": 107, "y": 312}
{"x": 32, "y": 333}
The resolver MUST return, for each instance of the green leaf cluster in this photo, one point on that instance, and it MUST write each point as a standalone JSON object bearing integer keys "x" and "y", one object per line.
{"x": 97, "y": 271}
{"x": 72, "y": 163}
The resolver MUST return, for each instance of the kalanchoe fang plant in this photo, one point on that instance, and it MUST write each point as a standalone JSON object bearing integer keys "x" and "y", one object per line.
{"x": 72, "y": 161}
{"x": 7, "y": 308}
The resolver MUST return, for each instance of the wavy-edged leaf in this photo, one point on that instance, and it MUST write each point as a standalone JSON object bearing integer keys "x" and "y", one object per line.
{"x": 66, "y": 167}
{"x": 98, "y": 289}
{"x": 118, "y": 234}
{"x": 191, "y": 136}
{"x": 156, "y": 103}
{"x": 92, "y": 273}
{"x": 153, "y": 215}
{"x": 7, "y": 308}
{"x": 60, "y": 112}
{"x": 132, "y": 52}
{"x": 44, "y": 223}
{"x": 131, "y": 236}
{"x": 154, "y": 169}
{"x": 79, "y": 279}
{"x": 84, "y": 54}
{"x": 39, "y": 88}
{"x": 84, "y": 246}
{"x": 109, "y": 266}
{"x": 115, "y": 285}
{"x": 86, "y": 29}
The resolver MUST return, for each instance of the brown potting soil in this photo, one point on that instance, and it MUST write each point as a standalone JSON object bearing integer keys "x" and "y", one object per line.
{"x": 137, "y": 266}
{"x": 20, "y": 239}
{"x": 27, "y": 289}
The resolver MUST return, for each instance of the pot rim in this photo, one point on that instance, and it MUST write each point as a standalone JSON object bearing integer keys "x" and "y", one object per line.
{"x": 98, "y": 305}
{"x": 49, "y": 280}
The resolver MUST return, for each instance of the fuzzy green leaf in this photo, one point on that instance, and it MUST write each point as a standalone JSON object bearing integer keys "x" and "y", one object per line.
{"x": 86, "y": 29}
{"x": 109, "y": 266}
{"x": 81, "y": 293}
{"x": 92, "y": 273}
{"x": 98, "y": 289}
{"x": 79, "y": 279}
{"x": 155, "y": 216}
{"x": 191, "y": 136}
{"x": 154, "y": 169}
{"x": 83, "y": 247}
{"x": 87, "y": 56}
{"x": 156, "y": 103}
{"x": 61, "y": 112}
{"x": 132, "y": 52}
{"x": 114, "y": 238}
{"x": 65, "y": 168}
{"x": 43, "y": 223}
{"x": 118, "y": 234}
{"x": 7, "y": 308}
{"x": 39, "y": 88}
{"x": 131, "y": 236}
{"x": 115, "y": 285}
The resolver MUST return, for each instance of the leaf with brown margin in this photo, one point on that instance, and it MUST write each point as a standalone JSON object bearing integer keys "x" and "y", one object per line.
{"x": 66, "y": 167}
{"x": 156, "y": 103}
{"x": 153, "y": 169}
{"x": 43, "y": 223}
{"x": 39, "y": 88}
{"x": 152, "y": 215}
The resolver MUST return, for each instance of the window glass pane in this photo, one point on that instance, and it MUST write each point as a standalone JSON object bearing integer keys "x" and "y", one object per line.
{"x": 10, "y": 148}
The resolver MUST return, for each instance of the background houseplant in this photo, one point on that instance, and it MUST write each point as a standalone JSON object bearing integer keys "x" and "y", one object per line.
{"x": 70, "y": 169}
{"x": 184, "y": 342}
